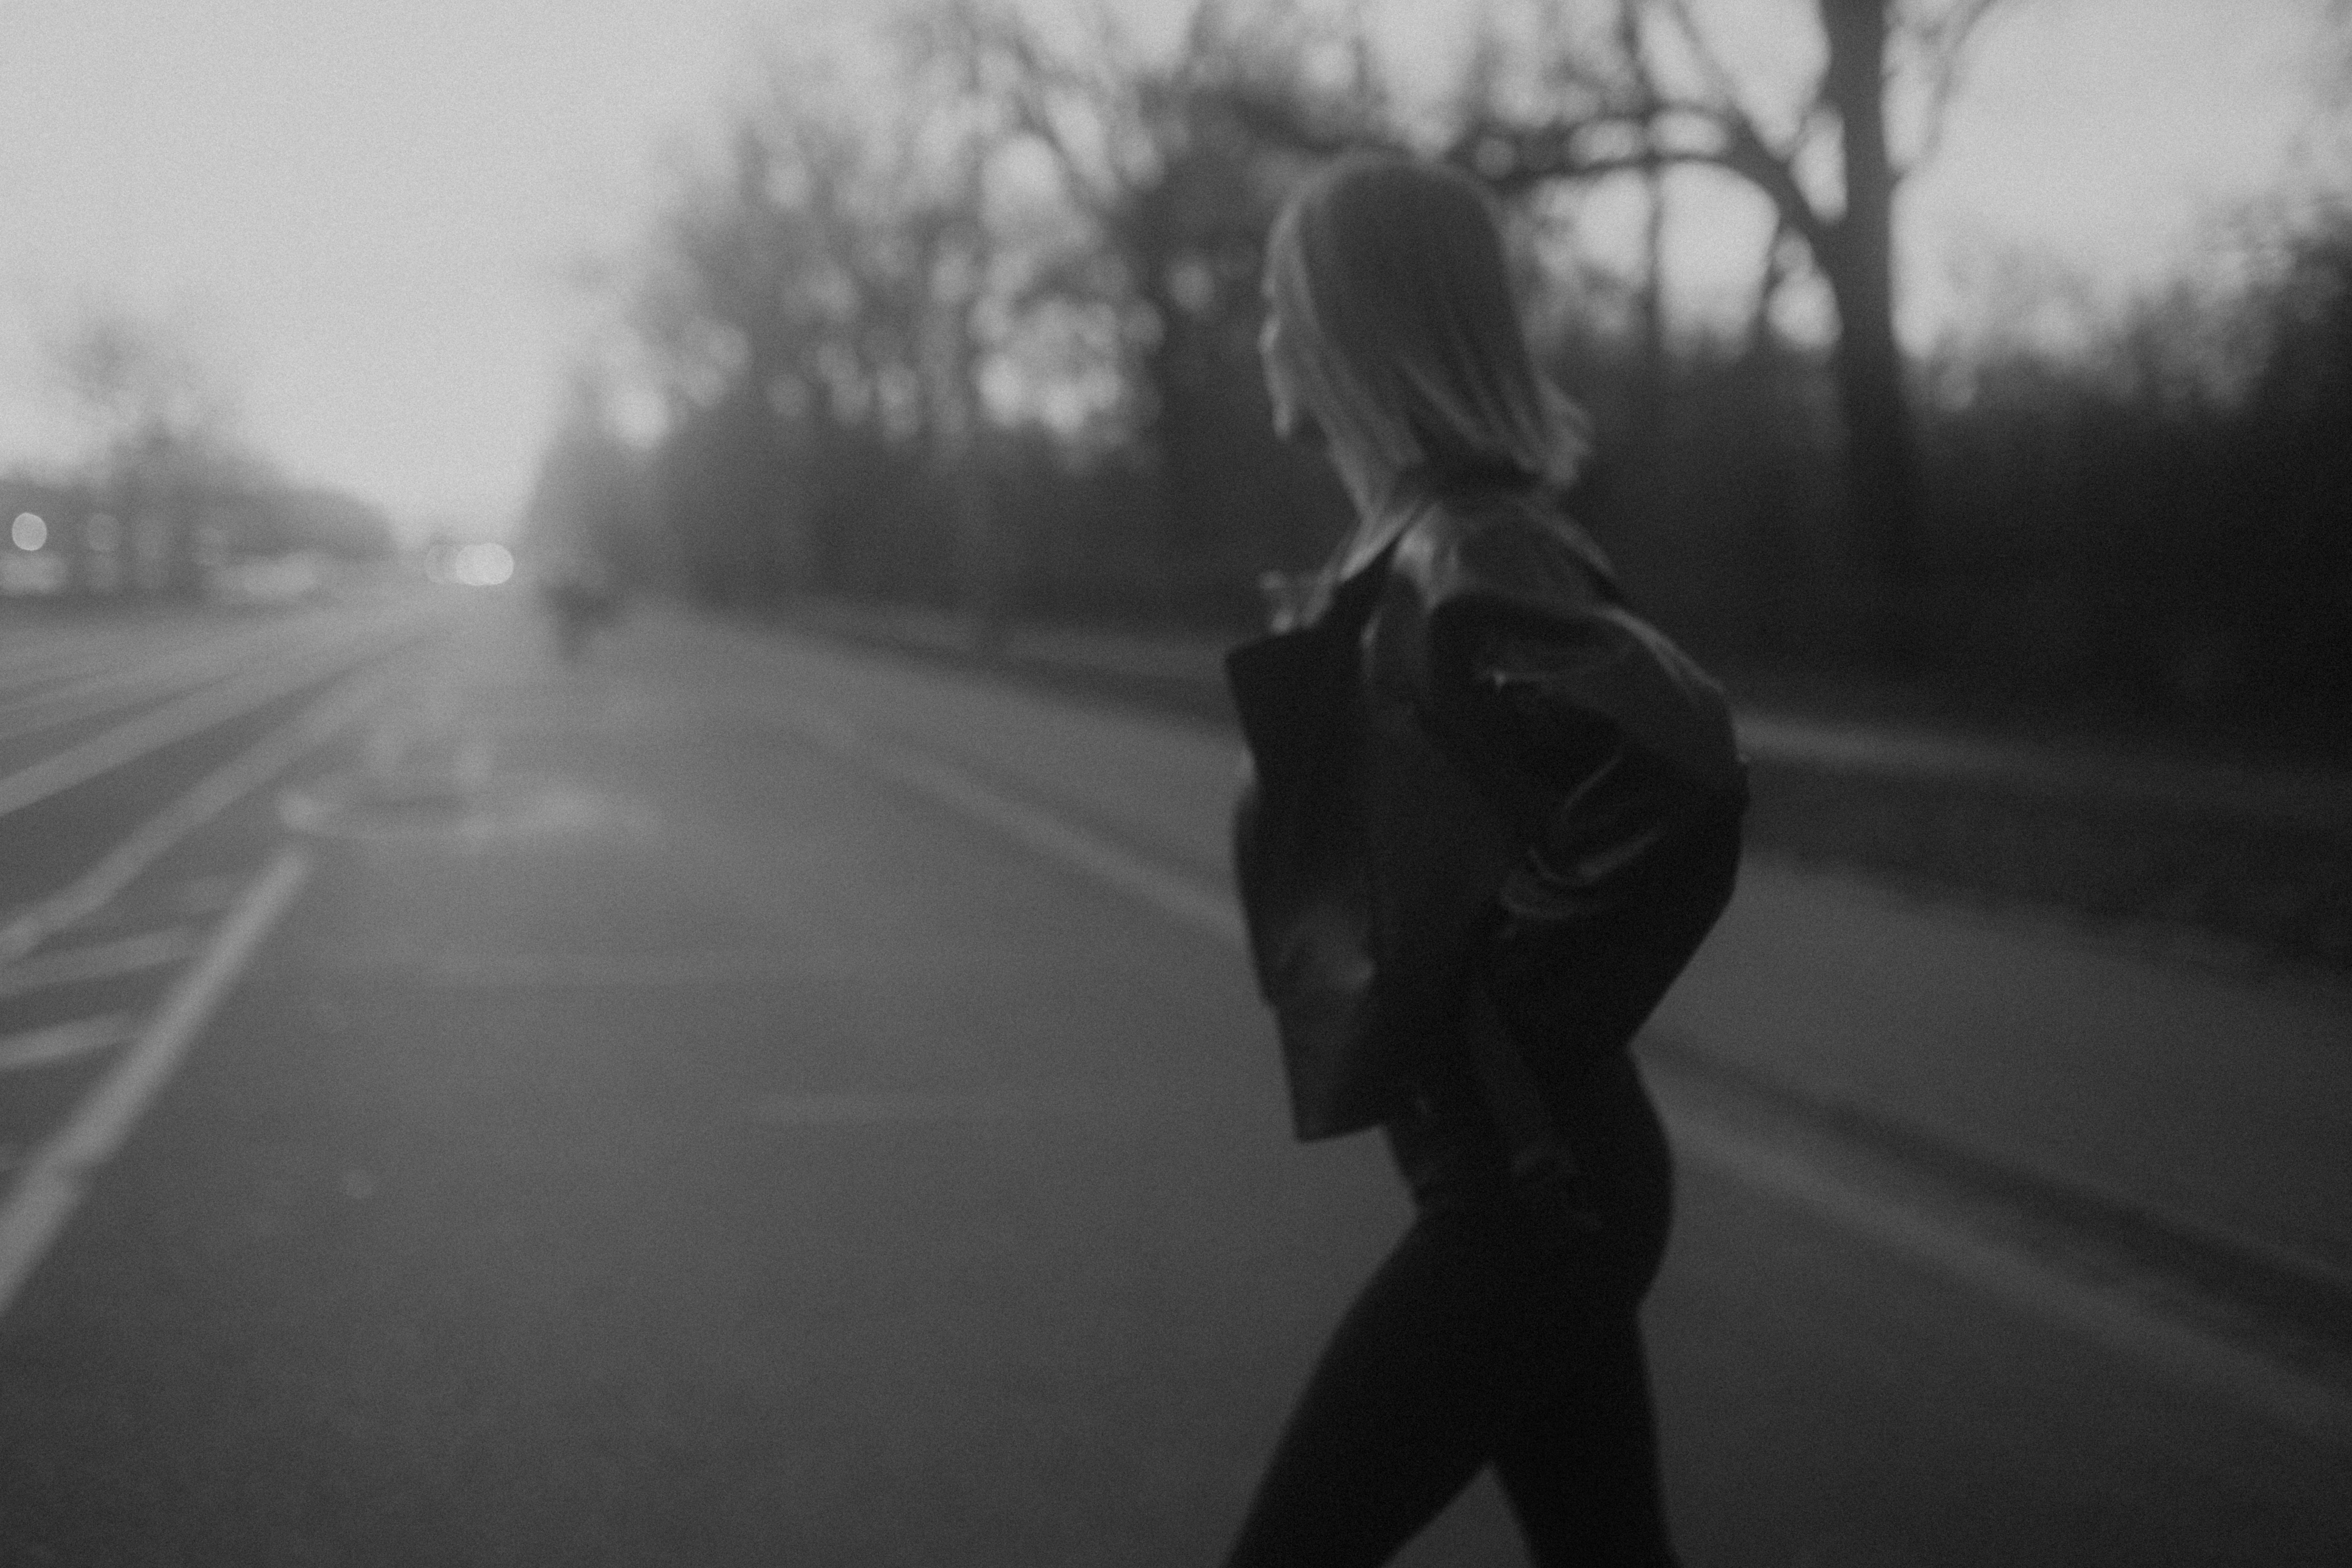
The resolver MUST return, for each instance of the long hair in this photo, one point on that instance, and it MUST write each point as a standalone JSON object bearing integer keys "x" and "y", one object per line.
{"x": 1388, "y": 278}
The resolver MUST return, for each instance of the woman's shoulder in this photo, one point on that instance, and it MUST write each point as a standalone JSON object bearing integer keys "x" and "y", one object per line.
{"x": 1515, "y": 552}
{"x": 1506, "y": 591}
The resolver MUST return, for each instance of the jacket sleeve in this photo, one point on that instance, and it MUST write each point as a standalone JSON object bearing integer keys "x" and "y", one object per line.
{"x": 1611, "y": 755}
{"x": 1594, "y": 804}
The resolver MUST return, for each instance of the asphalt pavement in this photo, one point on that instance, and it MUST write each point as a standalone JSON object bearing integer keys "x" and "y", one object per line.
{"x": 737, "y": 1098}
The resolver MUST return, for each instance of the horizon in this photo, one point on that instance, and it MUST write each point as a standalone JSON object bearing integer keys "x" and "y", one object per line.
{"x": 376, "y": 224}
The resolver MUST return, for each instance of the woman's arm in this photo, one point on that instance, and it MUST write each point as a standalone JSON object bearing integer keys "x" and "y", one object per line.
{"x": 1595, "y": 804}
{"x": 1600, "y": 912}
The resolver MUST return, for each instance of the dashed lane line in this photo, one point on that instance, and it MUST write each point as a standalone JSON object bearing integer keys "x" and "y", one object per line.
{"x": 53, "y": 1182}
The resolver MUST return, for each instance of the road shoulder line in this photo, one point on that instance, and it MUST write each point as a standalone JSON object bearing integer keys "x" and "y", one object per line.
{"x": 2294, "y": 1397}
{"x": 52, "y": 1183}
{"x": 2305, "y": 1296}
{"x": 1046, "y": 832}
{"x": 2306, "y": 1400}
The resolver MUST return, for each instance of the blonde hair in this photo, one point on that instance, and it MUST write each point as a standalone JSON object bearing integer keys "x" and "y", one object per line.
{"x": 1388, "y": 280}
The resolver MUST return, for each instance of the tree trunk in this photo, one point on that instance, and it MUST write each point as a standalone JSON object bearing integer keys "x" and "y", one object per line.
{"x": 1651, "y": 305}
{"x": 1881, "y": 463}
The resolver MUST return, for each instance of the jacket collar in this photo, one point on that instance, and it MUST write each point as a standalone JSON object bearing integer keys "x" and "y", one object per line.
{"x": 1410, "y": 497}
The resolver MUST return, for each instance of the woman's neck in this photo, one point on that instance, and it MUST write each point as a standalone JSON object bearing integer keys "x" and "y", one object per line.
{"x": 1372, "y": 484}
{"x": 1369, "y": 481}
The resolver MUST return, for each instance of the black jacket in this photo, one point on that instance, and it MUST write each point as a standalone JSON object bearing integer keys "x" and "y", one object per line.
{"x": 1474, "y": 763}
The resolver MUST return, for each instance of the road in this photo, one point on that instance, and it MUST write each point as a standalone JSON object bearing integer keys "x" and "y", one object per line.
{"x": 737, "y": 1099}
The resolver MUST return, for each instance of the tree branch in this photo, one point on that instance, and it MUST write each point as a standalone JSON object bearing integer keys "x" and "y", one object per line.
{"x": 1720, "y": 79}
{"x": 1515, "y": 159}
{"x": 1943, "y": 45}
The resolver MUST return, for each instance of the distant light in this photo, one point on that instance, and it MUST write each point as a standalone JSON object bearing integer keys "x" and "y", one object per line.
{"x": 483, "y": 566}
{"x": 29, "y": 532}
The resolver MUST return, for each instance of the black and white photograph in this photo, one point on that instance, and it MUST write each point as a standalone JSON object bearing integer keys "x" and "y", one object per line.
{"x": 1160, "y": 784}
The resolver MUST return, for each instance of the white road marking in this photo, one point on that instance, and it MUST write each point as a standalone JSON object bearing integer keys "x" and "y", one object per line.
{"x": 265, "y": 760}
{"x": 128, "y": 683}
{"x": 54, "y": 1180}
{"x": 58, "y": 657}
{"x": 1187, "y": 899}
{"x": 1183, "y": 898}
{"x": 63, "y": 1042}
{"x": 2312, "y": 1406}
{"x": 100, "y": 960}
{"x": 177, "y": 721}
{"x": 2290, "y": 1396}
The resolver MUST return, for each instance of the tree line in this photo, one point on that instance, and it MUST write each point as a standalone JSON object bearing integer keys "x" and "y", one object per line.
{"x": 984, "y": 341}
{"x": 168, "y": 490}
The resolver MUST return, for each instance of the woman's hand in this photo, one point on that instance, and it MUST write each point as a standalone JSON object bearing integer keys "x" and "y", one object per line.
{"x": 1553, "y": 1195}
{"x": 1290, "y": 598}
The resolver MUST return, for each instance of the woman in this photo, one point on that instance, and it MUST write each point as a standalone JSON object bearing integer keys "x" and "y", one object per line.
{"x": 1493, "y": 813}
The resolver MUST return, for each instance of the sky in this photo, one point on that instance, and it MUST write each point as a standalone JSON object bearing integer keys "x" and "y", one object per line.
{"x": 367, "y": 214}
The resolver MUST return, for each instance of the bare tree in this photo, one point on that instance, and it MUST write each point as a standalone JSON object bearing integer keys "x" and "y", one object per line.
{"x": 162, "y": 416}
{"x": 139, "y": 382}
{"x": 823, "y": 290}
{"x": 1652, "y": 91}
{"x": 931, "y": 287}
{"x": 1174, "y": 167}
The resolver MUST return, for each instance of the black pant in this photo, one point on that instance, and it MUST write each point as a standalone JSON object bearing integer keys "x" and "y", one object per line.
{"x": 1480, "y": 1343}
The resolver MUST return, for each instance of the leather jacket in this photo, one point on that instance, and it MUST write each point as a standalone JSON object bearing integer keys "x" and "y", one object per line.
{"x": 1473, "y": 764}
